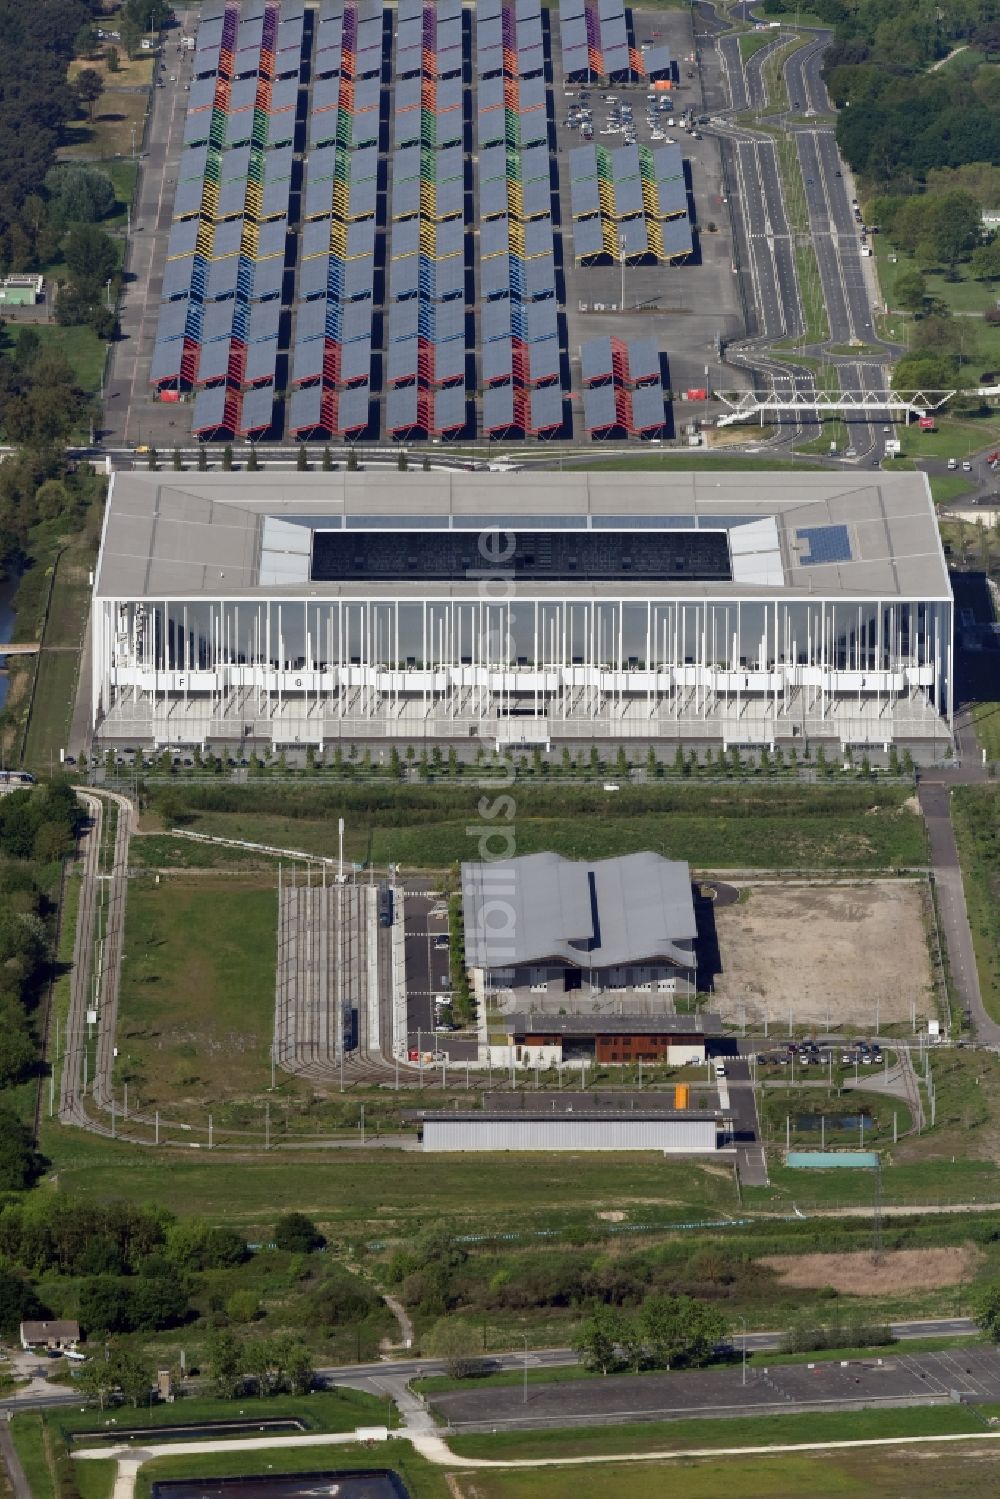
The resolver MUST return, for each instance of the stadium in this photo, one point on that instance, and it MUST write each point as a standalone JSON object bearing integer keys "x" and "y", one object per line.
{"x": 516, "y": 609}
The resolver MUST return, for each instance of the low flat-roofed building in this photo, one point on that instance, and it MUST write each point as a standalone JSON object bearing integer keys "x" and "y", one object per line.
{"x": 671, "y": 1134}
{"x": 622, "y": 1038}
{"x": 549, "y": 931}
{"x": 738, "y": 608}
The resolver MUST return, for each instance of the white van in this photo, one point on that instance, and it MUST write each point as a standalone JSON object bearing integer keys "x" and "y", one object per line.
{"x": 720, "y": 1069}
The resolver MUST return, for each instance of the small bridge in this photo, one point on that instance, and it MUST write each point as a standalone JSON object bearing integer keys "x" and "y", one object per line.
{"x": 24, "y": 648}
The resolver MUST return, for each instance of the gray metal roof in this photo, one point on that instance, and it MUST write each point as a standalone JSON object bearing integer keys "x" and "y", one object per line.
{"x": 213, "y": 360}
{"x": 163, "y": 530}
{"x": 177, "y": 277}
{"x": 658, "y": 60}
{"x": 643, "y": 358}
{"x": 261, "y": 360}
{"x": 677, "y": 236}
{"x": 305, "y": 408}
{"x": 595, "y": 359}
{"x": 268, "y": 276}
{"x": 526, "y": 1023}
{"x": 546, "y": 408}
{"x": 598, "y": 914}
{"x": 647, "y": 407}
{"x": 673, "y": 196}
{"x": 543, "y": 359}
{"x": 599, "y": 409}
{"x": 498, "y": 408}
{"x": 258, "y": 409}
{"x": 353, "y": 409}
{"x": 450, "y": 409}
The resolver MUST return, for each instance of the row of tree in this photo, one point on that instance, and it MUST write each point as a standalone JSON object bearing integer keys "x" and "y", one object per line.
{"x": 667, "y": 1332}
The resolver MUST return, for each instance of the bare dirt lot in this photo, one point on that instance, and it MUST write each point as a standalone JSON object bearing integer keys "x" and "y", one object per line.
{"x": 825, "y": 954}
{"x": 861, "y": 1275}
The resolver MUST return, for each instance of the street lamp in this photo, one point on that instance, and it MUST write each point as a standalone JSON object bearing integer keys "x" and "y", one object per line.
{"x": 743, "y": 1323}
{"x": 524, "y": 1398}
{"x": 621, "y": 256}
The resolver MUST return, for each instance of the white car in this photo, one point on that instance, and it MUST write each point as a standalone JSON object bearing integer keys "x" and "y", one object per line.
{"x": 966, "y": 466}
{"x": 720, "y": 1069}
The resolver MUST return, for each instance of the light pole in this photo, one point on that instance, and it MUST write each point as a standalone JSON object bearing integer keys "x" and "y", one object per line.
{"x": 621, "y": 257}
{"x": 743, "y": 1323}
{"x": 524, "y": 1398}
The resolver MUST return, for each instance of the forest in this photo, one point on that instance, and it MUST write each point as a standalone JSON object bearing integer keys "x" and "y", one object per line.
{"x": 897, "y": 120}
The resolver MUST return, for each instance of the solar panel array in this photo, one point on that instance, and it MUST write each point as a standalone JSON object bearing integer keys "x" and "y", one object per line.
{"x": 331, "y": 365}
{"x": 217, "y": 332}
{"x": 426, "y": 309}
{"x": 521, "y": 367}
{"x": 825, "y": 544}
{"x": 622, "y": 387}
{"x": 631, "y": 201}
{"x": 595, "y": 41}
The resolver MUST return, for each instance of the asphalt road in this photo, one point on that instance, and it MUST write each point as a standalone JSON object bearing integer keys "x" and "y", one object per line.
{"x": 803, "y": 77}
{"x": 935, "y": 804}
{"x": 539, "y": 1358}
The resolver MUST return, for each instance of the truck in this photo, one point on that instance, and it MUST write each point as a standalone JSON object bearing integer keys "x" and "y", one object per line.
{"x": 927, "y": 424}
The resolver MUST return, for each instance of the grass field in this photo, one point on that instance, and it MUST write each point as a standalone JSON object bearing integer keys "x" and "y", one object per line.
{"x": 986, "y": 718}
{"x": 197, "y": 989}
{"x": 29, "y": 1439}
{"x": 737, "y": 1431}
{"x": 116, "y": 114}
{"x": 341, "y": 1409}
{"x": 58, "y": 664}
{"x": 976, "y": 817}
{"x": 374, "y": 1193}
{"x": 712, "y": 826}
{"x": 83, "y": 349}
{"x": 896, "y": 1474}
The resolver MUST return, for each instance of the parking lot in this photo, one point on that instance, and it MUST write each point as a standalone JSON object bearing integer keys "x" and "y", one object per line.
{"x": 686, "y": 308}
{"x": 968, "y": 1374}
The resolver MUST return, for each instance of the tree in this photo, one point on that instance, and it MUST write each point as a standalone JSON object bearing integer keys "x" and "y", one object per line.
{"x": 924, "y": 372}
{"x": 103, "y": 1306}
{"x": 984, "y": 262}
{"x": 302, "y": 460}
{"x": 253, "y": 465}
{"x": 598, "y": 1340}
{"x": 131, "y": 35}
{"x": 113, "y": 60}
{"x": 89, "y": 86}
{"x": 225, "y": 1362}
{"x": 352, "y": 459}
{"x": 456, "y": 1342}
{"x": 17, "y": 1301}
{"x": 680, "y": 1330}
{"x": 300, "y": 1369}
{"x": 297, "y": 1234}
{"x": 988, "y": 1310}
{"x": 157, "y": 1301}
{"x": 20, "y": 1163}
{"x": 327, "y": 460}
{"x": 91, "y": 255}
{"x": 79, "y": 194}
{"x": 227, "y": 457}
{"x": 131, "y": 1375}
{"x": 202, "y": 459}
{"x": 910, "y": 291}
{"x": 243, "y": 1306}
